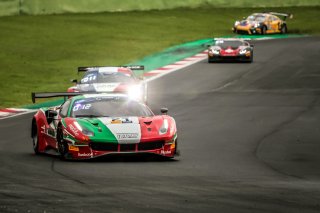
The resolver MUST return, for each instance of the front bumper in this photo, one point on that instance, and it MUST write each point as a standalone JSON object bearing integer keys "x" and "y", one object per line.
{"x": 246, "y": 30}
{"x": 98, "y": 149}
{"x": 217, "y": 58}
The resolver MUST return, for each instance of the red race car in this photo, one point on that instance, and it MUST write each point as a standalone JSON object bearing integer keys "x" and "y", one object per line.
{"x": 230, "y": 49}
{"x": 92, "y": 125}
{"x": 112, "y": 80}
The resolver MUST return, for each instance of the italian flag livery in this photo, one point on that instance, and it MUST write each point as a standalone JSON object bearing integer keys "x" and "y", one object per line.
{"x": 89, "y": 126}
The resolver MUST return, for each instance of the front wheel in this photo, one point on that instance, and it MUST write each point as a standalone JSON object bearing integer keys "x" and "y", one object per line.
{"x": 263, "y": 30}
{"x": 251, "y": 58}
{"x": 35, "y": 139}
{"x": 62, "y": 144}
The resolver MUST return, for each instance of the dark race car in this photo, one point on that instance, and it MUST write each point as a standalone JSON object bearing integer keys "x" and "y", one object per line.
{"x": 112, "y": 80}
{"x": 230, "y": 49}
{"x": 92, "y": 125}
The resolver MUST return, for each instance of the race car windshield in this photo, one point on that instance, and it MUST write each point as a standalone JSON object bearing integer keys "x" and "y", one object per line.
{"x": 257, "y": 18}
{"x": 107, "y": 77}
{"x": 226, "y": 44}
{"x": 109, "y": 107}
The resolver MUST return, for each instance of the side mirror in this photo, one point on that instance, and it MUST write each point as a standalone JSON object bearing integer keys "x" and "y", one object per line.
{"x": 164, "y": 111}
{"x": 74, "y": 81}
{"x": 52, "y": 113}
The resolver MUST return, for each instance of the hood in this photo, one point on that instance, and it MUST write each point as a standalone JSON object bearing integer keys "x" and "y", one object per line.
{"x": 100, "y": 87}
{"x": 123, "y": 130}
{"x": 229, "y": 51}
{"x": 116, "y": 129}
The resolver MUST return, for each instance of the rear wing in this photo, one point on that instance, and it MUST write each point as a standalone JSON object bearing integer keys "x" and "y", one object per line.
{"x": 97, "y": 68}
{"x": 35, "y": 95}
{"x": 284, "y": 15}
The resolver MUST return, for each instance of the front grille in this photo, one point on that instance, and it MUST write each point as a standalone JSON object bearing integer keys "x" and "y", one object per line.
{"x": 127, "y": 147}
{"x": 230, "y": 57}
{"x": 113, "y": 147}
{"x": 104, "y": 146}
{"x": 150, "y": 145}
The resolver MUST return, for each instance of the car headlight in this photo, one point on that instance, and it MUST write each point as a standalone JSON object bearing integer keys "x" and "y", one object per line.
{"x": 135, "y": 92}
{"x": 215, "y": 51}
{"x": 87, "y": 132}
{"x": 236, "y": 23}
{"x": 84, "y": 131}
{"x": 164, "y": 128}
{"x": 243, "y": 51}
{"x": 256, "y": 25}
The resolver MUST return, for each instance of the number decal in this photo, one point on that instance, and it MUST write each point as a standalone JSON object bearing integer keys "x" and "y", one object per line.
{"x": 81, "y": 107}
{"x": 89, "y": 78}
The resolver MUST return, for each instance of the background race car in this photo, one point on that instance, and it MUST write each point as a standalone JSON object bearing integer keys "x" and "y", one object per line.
{"x": 112, "y": 80}
{"x": 262, "y": 23}
{"x": 89, "y": 126}
{"x": 230, "y": 49}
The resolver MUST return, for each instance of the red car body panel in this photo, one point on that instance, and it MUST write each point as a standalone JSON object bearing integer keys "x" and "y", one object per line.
{"x": 47, "y": 137}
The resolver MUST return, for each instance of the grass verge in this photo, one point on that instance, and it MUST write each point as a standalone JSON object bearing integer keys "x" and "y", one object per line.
{"x": 41, "y": 53}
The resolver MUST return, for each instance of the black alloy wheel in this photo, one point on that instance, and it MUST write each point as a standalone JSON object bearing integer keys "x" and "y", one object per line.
{"x": 62, "y": 144}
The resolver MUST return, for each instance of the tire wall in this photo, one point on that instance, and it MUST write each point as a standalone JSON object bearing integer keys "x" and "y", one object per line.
{"x": 40, "y": 7}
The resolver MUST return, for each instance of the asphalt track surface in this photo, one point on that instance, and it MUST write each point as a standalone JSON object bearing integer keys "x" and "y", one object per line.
{"x": 248, "y": 134}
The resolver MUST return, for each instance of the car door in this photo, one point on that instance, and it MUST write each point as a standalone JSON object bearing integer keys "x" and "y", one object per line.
{"x": 275, "y": 24}
{"x": 49, "y": 128}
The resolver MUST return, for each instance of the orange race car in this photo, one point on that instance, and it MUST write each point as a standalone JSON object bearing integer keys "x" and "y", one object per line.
{"x": 262, "y": 23}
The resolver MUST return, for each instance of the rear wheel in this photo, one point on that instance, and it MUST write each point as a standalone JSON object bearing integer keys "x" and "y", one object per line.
{"x": 284, "y": 29}
{"x": 35, "y": 139}
{"x": 62, "y": 144}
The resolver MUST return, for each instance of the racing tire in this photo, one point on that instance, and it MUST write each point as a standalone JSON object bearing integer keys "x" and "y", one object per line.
{"x": 251, "y": 58}
{"x": 284, "y": 29}
{"x": 176, "y": 150}
{"x": 263, "y": 30}
{"x": 35, "y": 139}
{"x": 62, "y": 144}
{"x": 211, "y": 61}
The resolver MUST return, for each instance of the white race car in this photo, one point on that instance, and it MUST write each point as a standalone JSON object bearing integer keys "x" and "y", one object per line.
{"x": 112, "y": 80}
